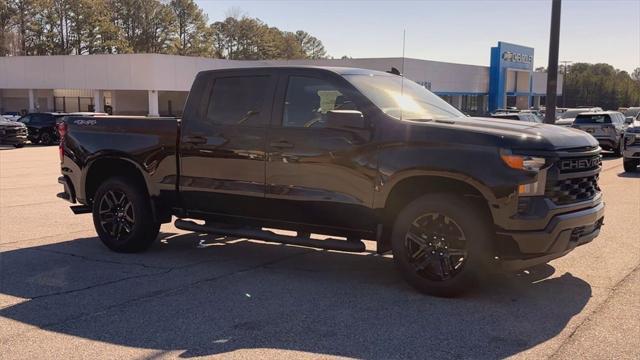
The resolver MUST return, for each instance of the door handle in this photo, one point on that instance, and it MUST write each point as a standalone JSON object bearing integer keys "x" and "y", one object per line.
{"x": 282, "y": 144}
{"x": 195, "y": 140}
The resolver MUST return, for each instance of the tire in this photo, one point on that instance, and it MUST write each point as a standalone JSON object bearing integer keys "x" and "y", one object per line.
{"x": 124, "y": 224}
{"x": 466, "y": 266}
{"x": 618, "y": 150}
{"x": 630, "y": 165}
{"x": 46, "y": 139}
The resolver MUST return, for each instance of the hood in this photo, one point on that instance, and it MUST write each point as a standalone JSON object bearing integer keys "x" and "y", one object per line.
{"x": 513, "y": 134}
{"x": 8, "y": 123}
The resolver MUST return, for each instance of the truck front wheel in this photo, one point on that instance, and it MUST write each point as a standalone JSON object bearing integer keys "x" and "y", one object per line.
{"x": 630, "y": 165}
{"x": 122, "y": 216}
{"x": 440, "y": 244}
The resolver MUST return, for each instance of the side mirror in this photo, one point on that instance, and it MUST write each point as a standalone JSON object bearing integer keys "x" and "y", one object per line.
{"x": 345, "y": 120}
{"x": 628, "y": 120}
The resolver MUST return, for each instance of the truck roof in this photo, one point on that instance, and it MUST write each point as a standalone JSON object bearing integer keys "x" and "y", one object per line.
{"x": 335, "y": 69}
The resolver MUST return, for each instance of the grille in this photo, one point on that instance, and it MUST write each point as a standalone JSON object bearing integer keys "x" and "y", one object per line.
{"x": 572, "y": 190}
{"x": 16, "y": 131}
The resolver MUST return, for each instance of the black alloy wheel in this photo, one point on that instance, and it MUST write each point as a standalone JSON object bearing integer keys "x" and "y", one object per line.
{"x": 436, "y": 246}
{"x": 441, "y": 243}
{"x": 122, "y": 215}
{"x": 46, "y": 139}
{"x": 117, "y": 217}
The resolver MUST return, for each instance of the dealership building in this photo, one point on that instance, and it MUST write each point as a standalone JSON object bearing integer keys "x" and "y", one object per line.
{"x": 152, "y": 84}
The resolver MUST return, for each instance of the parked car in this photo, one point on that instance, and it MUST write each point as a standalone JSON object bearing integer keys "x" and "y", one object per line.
{"x": 12, "y": 133}
{"x": 42, "y": 127}
{"x": 607, "y": 127}
{"x": 568, "y": 116}
{"x": 519, "y": 116}
{"x": 342, "y": 152}
{"x": 632, "y": 114}
{"x": 11, "y": 116}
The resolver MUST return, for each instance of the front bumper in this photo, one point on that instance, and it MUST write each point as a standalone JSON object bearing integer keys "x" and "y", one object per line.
{"x": 12, "y": 138}
{"x": 563, "y": 233}
{"x": 631, "y": 148}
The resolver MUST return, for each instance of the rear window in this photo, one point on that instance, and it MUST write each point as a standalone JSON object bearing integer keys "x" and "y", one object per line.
{"x": 592, "y": 119}
{"x": 632, "y": 112}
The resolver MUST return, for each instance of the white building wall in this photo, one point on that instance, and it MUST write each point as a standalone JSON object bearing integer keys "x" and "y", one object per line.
{"x": 130, "y": 102}
{"x": 167, "y": 74}
{"x": 540, "y": 83}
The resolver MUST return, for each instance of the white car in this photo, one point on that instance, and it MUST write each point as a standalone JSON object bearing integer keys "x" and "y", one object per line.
{"x": 10, "y": 117}
{"x": 569, "y": 115}
{"x": 631, "y": 149}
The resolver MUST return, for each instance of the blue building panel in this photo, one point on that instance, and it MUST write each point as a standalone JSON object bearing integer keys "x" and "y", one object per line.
{"x": 507, "y": 56}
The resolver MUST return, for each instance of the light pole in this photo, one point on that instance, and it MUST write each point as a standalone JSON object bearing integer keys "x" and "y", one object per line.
{"x": 565, "y": 63}
{"x": 552, "y": 69}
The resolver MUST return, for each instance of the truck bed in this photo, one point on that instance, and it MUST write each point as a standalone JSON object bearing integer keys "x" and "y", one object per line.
{"x": 150, "y": 144}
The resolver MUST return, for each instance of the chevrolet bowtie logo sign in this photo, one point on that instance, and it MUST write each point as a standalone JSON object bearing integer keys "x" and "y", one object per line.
{"x": 580, "y": 164}
{"x": 516, "y": 57}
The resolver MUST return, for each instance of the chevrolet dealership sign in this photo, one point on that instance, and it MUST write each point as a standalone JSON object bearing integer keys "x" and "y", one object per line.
{"x": 517, "y": 57}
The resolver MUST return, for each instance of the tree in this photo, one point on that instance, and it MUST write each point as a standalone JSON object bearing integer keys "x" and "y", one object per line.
{"x": 600, "y": 85}
{"x": 635, "y": 75}
{"x": 193, "y": 36}
{"x": 51, "y": 27}
{"x": 311, "y": 46}
{"x": 7, "y": 12}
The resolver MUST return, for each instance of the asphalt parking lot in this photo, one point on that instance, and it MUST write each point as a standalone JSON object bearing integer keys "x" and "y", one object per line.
{"x": 64, "y": 295}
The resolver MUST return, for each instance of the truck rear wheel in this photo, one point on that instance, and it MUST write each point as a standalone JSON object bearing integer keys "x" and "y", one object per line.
{"x": 122, "y": 216}
{"x": 440, "y": 244}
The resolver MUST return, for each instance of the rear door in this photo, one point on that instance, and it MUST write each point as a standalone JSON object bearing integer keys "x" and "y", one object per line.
{"x": 223, "y": 146}
{"x": 317, "y": 175}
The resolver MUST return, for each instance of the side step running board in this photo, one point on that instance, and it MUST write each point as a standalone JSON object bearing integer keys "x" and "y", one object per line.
{"x": 269, "y": 236}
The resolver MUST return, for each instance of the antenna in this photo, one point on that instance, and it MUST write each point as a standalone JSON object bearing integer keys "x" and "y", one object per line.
{"x": 404, "y": 36}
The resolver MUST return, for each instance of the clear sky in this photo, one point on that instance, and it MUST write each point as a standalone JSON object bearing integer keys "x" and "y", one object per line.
{"x": 460, "y": 31}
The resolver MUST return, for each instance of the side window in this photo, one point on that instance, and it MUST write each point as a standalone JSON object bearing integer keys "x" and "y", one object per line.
{"x": 238, "y": 100}
{"x": 308, "y": 99}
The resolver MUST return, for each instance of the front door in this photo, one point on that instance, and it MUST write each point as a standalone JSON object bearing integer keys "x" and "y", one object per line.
{"x": 317, "y": 175}
{"x": 223, "y": 149}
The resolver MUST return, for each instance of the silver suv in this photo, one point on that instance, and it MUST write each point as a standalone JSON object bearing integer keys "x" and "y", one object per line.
{"x": 608, "y": 127}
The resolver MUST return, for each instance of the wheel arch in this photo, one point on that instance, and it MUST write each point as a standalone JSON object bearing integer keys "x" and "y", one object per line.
{"x": 405, "y": 189}
{"x": 109, "y": 166}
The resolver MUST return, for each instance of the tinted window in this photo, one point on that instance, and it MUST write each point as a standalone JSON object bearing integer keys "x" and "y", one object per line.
{"x": 25, "y": 119}
{"x": 592, "y": 119}
{"x": 507, "y": 117}
{"x": 308, "y": 100}
{"x": 238, "y": 100}
{"x": 632, "y": 112}
{"x": 44, "y": 119}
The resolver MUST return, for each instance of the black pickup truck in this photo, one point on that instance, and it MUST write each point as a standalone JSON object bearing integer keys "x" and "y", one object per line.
{"x": 349, "y": 153}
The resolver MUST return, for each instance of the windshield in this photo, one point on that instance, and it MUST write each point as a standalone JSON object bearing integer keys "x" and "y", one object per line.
{"x": 593, "y": 119}
{"x": 408, "y": 101}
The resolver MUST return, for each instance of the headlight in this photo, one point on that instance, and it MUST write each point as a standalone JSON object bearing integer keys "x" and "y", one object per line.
{"x": 529, "y": 163}
{"x": 523, "y": 162}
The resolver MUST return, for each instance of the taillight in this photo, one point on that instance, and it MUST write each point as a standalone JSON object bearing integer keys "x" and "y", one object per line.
{"x": 62, "y": 131}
